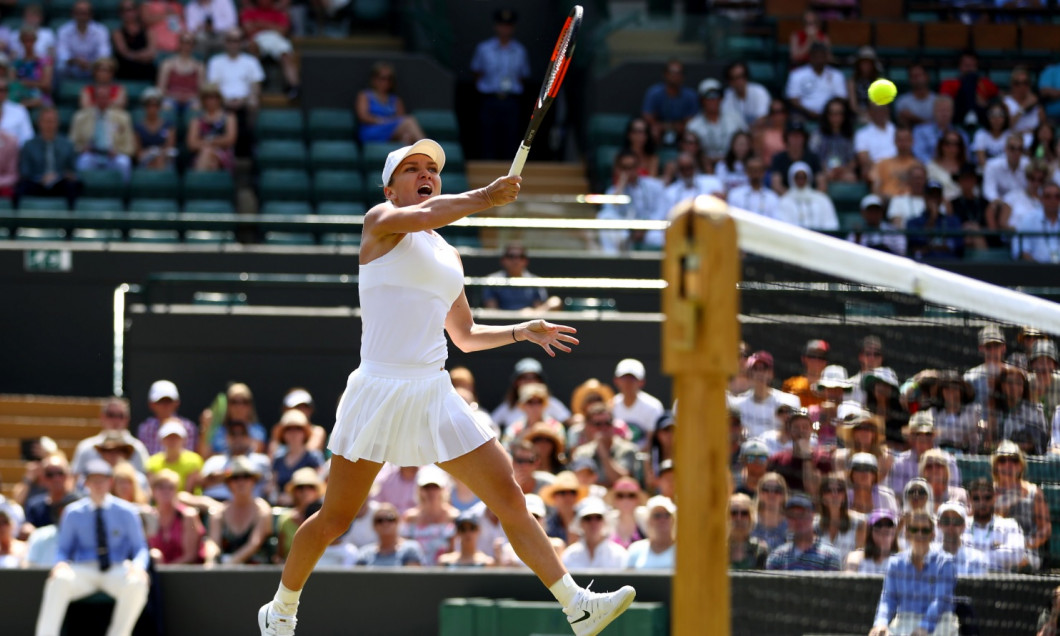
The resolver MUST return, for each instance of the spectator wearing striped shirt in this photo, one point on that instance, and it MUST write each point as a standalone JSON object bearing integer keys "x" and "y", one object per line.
{"x": 805, "y": 551}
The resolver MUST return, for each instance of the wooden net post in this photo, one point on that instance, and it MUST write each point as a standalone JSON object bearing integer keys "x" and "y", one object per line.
{"x": 700, "y": 349}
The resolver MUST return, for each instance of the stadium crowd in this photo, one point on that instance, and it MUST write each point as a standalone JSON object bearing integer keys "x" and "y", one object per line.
{"x": 825, "y": 470}
{"x": 156, "y": 68}
{"x": 953, "y": 165}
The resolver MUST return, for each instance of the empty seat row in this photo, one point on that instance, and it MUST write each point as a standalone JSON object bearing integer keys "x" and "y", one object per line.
{"x": 297, "y": 185}
{"x": 340, "y": 124}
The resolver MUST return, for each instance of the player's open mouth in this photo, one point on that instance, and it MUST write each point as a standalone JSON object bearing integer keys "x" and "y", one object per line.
{"x": 425, "y": 190}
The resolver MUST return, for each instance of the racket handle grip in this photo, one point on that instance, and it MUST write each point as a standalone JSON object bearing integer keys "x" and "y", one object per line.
{"x": 519, "y": 161}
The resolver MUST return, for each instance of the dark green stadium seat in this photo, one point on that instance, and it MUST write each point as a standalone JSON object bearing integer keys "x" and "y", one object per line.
{"x": 101, "y": 9}
{"x": 740, "y": 46}
{"x": 371, "y": 11}
{"x": 454, "y": 183}
{"x": 103, "y": 183}
{"x": 6, "y": 205}
{"x": 1044, "y": 470}
{"x": 154, "y": 206}
{"x": 286, "y": 207}
{"x": 855, "y": 308}
{"x": 154, "y": 184}
{"x": 849, "y": 220}
{"x": 587, "y": 304}
{"x": 374, "y": 154}
{"x": 153, "y": 236}
{"x": 454, "y": 156}
{"x": 209, "y": 206}
{"x": 989, "y": 255}
{"x": 289, "y": 238}
{"x": 439, "y": 125}
{"x": 284, "y": 185}
{"x": 334, "y": 155}
{"x": 133, "y": 91}
{"x": 341, "y": 208}
{"x": 280, "y": 124}
{"x": 335, "y": 238}
{"x": 973, "y": 467}
{"x": 604, "y": 163}
{"x": 209, "y": 236}
{"x": 40, "y": 234}
{"x": 86, "y": 204}
{"x": 764, "y": 72}
{"x": 338, "y": 185}
{"x": 208, "y": 185}
{"x": 70, "y": 93}
{"x": 607, "y": 129}
{"x": 42, "y": 204}
{"x": 331, "y": 124}
{"x": 94, "y": 234}
{"x": 847, "y": 196}
{"x": 282, "y": 154}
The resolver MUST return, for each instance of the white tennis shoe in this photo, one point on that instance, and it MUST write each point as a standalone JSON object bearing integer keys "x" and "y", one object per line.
{"x": 590, "y": 612}
{"x": 272, "y": 623}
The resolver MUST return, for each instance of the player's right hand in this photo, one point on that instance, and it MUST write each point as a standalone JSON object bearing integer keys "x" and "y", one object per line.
{"x": 504, "y": 190}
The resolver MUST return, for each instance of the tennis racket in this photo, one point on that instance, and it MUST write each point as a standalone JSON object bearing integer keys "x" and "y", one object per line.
{"x": 557, "y": 69}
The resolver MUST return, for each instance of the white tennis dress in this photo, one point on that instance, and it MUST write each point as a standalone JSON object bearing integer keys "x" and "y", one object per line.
{"x": 399, "y": 405}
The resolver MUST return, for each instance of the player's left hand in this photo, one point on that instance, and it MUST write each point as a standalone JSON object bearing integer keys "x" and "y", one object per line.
{"x": 548, "y": 335}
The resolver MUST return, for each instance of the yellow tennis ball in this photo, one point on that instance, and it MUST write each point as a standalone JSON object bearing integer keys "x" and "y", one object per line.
{"x": 882, "y": 91}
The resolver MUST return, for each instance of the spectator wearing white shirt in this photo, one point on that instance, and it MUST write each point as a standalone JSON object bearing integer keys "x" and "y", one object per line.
{"x": 1005, "y": 173}
{"x": 44, "y": 46}
{"x": 714, "y": 125}
{"x": 1000, "y": 539}
{"x": 209, "y": 21}
{"x": 634, "y": 406}
{"x": 989, "y": 141}
{"x": 755, "y": 196}
{"x": 811, "y": 86}
{"x": 657, "y": 551}
{"x": 916, "y": 105}
{"x": 689, "y": 184}
{"x": 911, "y": 204}
{"x": 758, "y": 406}
{"x": 80, "y": 43}
{"x": 952, "y": 522}
{"x": 239, "y": 76}
{"x": 804, "y": 206}
{"x": 1025, "y": 203}
{"x": 594, "y": 550}
{"x": 648, "y": 201}
{"x": 874, "y": 231}
{"x": 1023, "y": 105}
{"x": 14, "y": 118}
{"x": 750, "y": 99}
{"x": 1044, "y": 248}
{"x": 874, "y": 142}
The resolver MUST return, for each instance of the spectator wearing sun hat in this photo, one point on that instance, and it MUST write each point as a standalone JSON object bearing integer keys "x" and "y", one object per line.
{"x": 505, "y": 553}
{"x": 758, "y": 406}
{"x": 634, "y": 406}
{"x": 299, "y": 398}
{"x": 656, "y": 551}
{"x": 1045, "y": 379}
{"x": 814, "y": 360}
{"x": 956, "y": 415}
{"x": 294, "y": 431}
{"x": 533, "y": 407}
{"x": 882, "y": 398}
{"x": 834, "y": 388}
{"x": 174, "y": 456}
{"x": 920, "y": 433}
{"x": 302, "y": 489}
{"x": 982, "y": 377}
{"x": 594, "y": 550}
{"x": 562, "y": 496}
{"x": 526, "y": 370}
{"x": 163, "y": 399}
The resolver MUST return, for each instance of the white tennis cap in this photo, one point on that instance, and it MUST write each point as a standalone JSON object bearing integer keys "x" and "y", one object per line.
{"x": 630, "y": 366}
{"x": 296, "y": 397}
{"x": 163, "y": 389}
{"x": 427, "y": 147}
{"x": 172, "y": 426}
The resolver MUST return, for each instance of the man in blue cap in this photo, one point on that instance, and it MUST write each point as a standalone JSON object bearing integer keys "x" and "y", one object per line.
{"x": 805, "y": 551}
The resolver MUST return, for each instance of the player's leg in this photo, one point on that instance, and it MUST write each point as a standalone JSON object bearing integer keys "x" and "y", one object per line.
{"x": 348, "y": 486}
{"x": 487, "y": 471}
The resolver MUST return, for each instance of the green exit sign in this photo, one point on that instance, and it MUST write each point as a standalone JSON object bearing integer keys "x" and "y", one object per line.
{"x": 48, "y": 260}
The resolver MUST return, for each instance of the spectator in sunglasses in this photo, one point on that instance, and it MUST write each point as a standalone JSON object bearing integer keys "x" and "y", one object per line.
{"x": 745, "y": 551}
{"x": 952, "y": 520}
{"x": 805, "y": 551}
{"x": 1000, "y": 539}
{"x": 390, "y": 549}
{"x": 514, "y": 261}
{"x": 624, "y": 499}
{"x": 467, "y": 553}
{"x": 754, "y": 456}
{"x": 881, "y": 541}
{"x": 113, "y": 416}
{"x": 1020, "y": 500}
{"x": 837, "y": 525}
{"x": 533, "y": 404}
{"x": 594, "y": 550}
{"x": 239, "y": 407}
{"x": 772, "y": 526}
{"x": 657, "y": 550}
{"x": 562, "y": 497}
{"x": 866, "y": 494}
{"x": 44, "y": 509}
{"x": 917, "y": 596}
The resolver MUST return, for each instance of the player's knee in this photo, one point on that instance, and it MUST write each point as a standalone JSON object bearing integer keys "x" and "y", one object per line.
{"x": 334, "y": 524}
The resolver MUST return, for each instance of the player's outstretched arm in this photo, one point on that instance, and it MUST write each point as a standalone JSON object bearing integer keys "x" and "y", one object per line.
{"x": 469, "y": 336}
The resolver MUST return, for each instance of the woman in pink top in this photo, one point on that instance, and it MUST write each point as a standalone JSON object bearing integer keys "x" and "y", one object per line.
{"x": 181, "y": 76}
{"x": 165, "y": 22}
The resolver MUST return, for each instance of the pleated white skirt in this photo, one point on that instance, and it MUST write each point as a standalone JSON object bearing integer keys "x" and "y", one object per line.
{"x": 405, "y": 415}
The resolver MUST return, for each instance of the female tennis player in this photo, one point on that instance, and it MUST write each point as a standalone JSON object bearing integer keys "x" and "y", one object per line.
{"x": 400, "y": 406}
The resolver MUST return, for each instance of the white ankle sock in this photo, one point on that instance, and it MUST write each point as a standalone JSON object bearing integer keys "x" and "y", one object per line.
{"x": 286, "y": 601}
{"x": 564, "y": 590}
